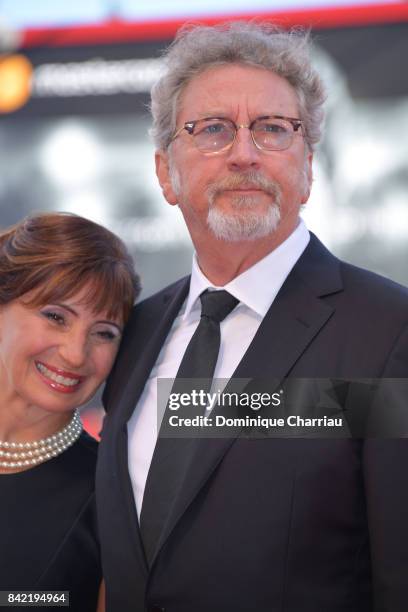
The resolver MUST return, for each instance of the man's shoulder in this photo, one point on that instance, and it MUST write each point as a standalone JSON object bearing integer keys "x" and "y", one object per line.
{"x": 148, "y": 313}
{"x": 366, "y": 298}
{"x": 151, "y": 314}
{"x": 373, "y": 285}
{"x": 373, "y": 302}
{"x": 151, "y": 306}
{"x": 164, "y": 295}
{"x": 363, "y": 284}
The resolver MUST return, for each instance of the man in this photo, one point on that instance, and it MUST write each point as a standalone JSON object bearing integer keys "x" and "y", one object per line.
{"x": 252, "y": 522}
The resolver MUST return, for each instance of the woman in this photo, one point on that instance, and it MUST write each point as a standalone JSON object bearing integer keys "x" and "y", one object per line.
{"x": 67, "y": 287}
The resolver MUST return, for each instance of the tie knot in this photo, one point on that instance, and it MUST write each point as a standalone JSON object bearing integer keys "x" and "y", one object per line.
{"x": 216, "y": 305}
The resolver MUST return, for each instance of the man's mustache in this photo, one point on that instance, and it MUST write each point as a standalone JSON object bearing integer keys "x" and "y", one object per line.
{"x": 245, "y": 180}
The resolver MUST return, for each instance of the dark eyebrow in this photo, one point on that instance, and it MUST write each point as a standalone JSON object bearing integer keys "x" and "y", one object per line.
{"x": 214, "y": 113}
{"x": 74, "y": 312}
{"x": 66, "y": 307}
{"x": 202, "y": 116}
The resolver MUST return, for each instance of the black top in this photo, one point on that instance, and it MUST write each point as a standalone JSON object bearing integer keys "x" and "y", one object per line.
{"x": 48, "y": 528}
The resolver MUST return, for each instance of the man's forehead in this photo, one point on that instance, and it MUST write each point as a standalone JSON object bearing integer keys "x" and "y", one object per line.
{"x": 221, "y": 89}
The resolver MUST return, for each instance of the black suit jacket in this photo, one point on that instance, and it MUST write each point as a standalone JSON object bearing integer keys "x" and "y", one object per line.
{"x": 294, "y": 525}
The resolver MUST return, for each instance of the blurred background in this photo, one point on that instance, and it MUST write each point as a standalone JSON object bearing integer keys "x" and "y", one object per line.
{"x": 74, "y": 92}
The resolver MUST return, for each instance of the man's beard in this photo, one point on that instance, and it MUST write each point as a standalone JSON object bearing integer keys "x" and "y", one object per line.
{"x": 245, "y": 221}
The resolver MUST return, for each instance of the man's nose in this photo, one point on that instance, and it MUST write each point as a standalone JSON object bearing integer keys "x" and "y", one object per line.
{"x": 243, "y": 152}
{"x": 74, "y": 349}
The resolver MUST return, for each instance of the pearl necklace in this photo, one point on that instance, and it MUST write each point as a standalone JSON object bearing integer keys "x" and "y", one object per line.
{"x": 36, "y": 452}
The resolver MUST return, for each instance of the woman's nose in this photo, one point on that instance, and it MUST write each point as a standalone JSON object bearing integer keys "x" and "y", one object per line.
{"x": 74, "y": 349}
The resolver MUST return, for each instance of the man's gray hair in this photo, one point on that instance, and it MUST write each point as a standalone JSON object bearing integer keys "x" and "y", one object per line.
{"x": 264, "y": 45}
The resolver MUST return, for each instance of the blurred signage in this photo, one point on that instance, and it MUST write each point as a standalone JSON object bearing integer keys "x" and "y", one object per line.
{"x": 116, "y": 78}
{"x": 16, "y": 78}
{"x": 55, "y": 24}
{"x": 30, "y": 81}
{"x": 43, "y": 13}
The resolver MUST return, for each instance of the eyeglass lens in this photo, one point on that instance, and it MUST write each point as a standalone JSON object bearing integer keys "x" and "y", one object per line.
{"x": 272, "y": 134}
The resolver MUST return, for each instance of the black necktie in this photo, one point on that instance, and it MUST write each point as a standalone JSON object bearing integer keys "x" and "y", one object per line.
{"x": 172, "y": 456}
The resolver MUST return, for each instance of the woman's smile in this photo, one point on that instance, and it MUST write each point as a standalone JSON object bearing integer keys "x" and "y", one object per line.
{"x": 58, "y": 379}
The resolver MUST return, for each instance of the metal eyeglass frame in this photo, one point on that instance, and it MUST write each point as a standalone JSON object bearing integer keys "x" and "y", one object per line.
{"x": 190, "y": 125}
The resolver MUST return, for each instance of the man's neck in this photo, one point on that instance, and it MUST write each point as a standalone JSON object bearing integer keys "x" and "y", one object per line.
{"x": 222, "y": 261}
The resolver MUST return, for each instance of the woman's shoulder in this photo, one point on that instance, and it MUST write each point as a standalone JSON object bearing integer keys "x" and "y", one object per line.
{"x": 84, "y": 451}
{"x": 76, "y": 465}
{"x": 88, "y": 444}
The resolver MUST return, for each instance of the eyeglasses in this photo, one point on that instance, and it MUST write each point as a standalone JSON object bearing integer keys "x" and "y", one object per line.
{"x": 216, "y": 134}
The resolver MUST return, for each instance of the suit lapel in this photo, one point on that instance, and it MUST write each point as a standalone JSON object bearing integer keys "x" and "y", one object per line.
{"x": 291, "y": 323}
{"x": 294, "y": 319}
{"x": 127, "y": 495}
{"x": 145, "y": 343}
{"x": 147, "y": 340}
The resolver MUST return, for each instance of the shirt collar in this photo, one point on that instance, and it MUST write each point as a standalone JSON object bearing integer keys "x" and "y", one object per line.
{"x": 258, "y": 286}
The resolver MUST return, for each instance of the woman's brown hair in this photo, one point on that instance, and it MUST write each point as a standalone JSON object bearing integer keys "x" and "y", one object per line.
{"x": 52, "y": 256}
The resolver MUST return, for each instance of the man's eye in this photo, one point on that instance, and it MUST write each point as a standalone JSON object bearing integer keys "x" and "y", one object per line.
{"x": 53, "y": 316}
{"x": 271, "y": 128}
{"x": 214, "y": 128}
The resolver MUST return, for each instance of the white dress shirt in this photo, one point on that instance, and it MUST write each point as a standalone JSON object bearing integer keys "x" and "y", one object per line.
{"x": 256, "y": 289}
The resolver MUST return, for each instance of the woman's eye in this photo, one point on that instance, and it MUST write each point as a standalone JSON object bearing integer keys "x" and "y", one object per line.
{"x": 55, "y": 317}
{"x": 107, "y": 335}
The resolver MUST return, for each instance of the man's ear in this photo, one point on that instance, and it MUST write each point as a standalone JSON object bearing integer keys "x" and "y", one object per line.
{"x": 163, "y": 174}
{"x": 308, "y": 177}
